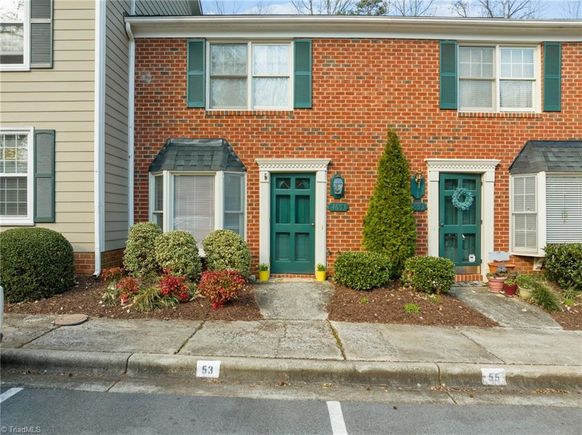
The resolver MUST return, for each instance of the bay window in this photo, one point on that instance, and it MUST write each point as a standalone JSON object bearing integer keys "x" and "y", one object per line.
{"x": 249, "y": 76}
{"x": 498, "y": 78}
{"x": 524, "y": 213}
{"x": 16, "y": 177}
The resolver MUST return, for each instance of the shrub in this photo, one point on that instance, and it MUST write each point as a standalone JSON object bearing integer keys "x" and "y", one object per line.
{"x": 111, "y": 277}
{"x": 221, "y": 286}
{"x": 389, "y": 225}
{"x": 35, "y": 263}
{"x": 226, "y": 250}
{"x": 541, "y": 293}
{"x": 362, "y": 270}
{"x": 149, "y": 299}
{"x": 126, "y": 288}
{"x": 564, "y": 265}
{"x": 139, "y": 256}
{"x": 175, "y": 287}
{"x": 429, "y": 274}
{"x": 177, "y": 252}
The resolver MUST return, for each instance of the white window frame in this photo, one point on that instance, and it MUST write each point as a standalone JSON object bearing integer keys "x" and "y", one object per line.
{"x": 536, "y": 91}
{"x": 25, "y": 66}
{"x": 168, "y": 200}
{"x": 540, "y": 198}
{"x": 29, "y": 218}
{"x": 250, "y": 76}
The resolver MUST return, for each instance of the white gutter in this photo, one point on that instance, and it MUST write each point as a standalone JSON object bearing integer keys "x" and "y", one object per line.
{"x": 130, "y": 123}
{"x": 99, "y": 132}
{"x": 269, "y": 26}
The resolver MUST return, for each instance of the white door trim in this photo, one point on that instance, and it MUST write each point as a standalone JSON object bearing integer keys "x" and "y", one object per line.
{"x": 266, "y": 167}
{"x": 469, "y": 166}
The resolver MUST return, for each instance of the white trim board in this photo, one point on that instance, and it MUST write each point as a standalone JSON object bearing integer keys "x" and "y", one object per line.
{"x": 484, "y": 167}
{"x": 265, "y": 27}
{"x": 266, "y": 167}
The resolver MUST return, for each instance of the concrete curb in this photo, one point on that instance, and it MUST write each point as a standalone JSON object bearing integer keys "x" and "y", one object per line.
{"x": 256, "y": 370}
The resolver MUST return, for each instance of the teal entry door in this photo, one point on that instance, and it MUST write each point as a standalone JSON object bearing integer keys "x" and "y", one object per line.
{"x": 460, "y": 224}
{"x": 292, "y": 223}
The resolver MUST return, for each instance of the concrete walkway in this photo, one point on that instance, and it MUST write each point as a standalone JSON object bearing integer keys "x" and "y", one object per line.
{"x": 295, "y": 299}
{"x": 508, "y": 312}
{"x": 297, "y": 350}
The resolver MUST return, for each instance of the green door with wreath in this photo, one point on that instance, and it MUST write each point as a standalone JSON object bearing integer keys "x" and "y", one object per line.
{"x": 460, "y": 218}
{"x": 292, "y": 223}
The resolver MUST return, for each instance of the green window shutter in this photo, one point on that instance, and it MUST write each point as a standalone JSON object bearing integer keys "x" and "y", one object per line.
{"x": 44, "y": 176}
{"x": 552, "y": 77}
{"x": 196, "y": 73}
{"x": 302, "y": 76}
{"x": 41, "y": 34}
{"x": 448, "y": 73}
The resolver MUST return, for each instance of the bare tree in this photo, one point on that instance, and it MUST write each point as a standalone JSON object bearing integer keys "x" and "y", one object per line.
{"x": 573, "y": 9}
{"x": 371, "y": 7}
{"x": 223, "y": 7}
{"x": 322, "y": 7}
{"x": 413, "y": 8}
{"x": 516, "y": 9}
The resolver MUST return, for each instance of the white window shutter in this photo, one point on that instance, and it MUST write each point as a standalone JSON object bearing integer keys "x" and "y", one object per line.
{"x": 564, "y": 209}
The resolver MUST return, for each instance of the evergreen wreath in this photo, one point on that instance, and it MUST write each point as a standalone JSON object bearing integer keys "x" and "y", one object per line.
{"x": 462, "y": 198}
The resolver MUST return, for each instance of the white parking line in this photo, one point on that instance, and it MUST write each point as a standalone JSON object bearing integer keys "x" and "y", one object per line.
{"x": 9, "y": 393}
{"x": 336, "y": 417}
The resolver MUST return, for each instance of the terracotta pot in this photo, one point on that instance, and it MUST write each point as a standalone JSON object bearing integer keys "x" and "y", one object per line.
{"x": 509, "y": 289}
{"x": 263, "y": 275}
{"x": 495, "y": 264}
{"x": 496, "y": 284}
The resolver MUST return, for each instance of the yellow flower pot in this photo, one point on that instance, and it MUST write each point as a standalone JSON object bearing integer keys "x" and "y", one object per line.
{"x": 320, "y": 275}
{"x": 263, "y": 275}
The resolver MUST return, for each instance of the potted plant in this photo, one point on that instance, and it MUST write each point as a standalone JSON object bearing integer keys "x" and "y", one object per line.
{"x": 320, "y": 272}
{"x": 510, "y": 285}
{"x": 525, "y": 285}
{"x": 495, "y": 280}
{"x": 263, "y": 272}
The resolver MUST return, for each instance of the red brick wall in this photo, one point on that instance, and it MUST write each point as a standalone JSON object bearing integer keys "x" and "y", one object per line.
{"x": 85, "y": 261}
{"x": 360, "y": 88}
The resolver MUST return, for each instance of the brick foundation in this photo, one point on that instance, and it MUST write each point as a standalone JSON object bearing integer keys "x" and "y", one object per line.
{"x": 112, "y": 259}
{"x": 360, "y": 88}
{"x": 85, "y": 261}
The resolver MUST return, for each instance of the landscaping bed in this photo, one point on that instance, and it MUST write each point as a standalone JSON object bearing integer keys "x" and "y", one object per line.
{"x": 570, "y": 318}
{"x": 85, "y": 298}
{"x": 387, "y": 305}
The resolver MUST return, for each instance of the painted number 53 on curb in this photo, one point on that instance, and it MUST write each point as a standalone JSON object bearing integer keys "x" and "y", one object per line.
{"x": 208, "y": 369}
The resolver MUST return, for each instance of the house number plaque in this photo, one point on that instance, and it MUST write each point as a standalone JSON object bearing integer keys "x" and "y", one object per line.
{"x": 338, "y": 206}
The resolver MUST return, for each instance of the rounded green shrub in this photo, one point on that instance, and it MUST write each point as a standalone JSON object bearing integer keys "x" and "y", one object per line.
{"x": 226, "y": 250}
{"x": 564, "y": 265}
{"x": 429, "y": 274}
{"x": 139, "y": 258}
{"x": 362, "y": 270}
{"x": 177, "y": 252}
{"x": 35, "y": 263}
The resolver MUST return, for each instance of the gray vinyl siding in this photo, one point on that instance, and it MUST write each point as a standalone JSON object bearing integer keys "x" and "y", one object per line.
{"x": 116, "y": 126}
{"x": 163, "y": 7}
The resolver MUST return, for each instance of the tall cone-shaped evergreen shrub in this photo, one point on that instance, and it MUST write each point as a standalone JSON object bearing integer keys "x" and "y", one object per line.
{"x": 389, "y": 225}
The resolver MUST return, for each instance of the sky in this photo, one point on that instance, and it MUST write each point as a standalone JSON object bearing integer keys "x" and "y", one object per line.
{"x": 548, "y": 8}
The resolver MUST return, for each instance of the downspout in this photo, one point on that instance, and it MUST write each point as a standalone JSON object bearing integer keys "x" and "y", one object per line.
{"x": 130, "y": 122}
{"x": 99, "y": 132}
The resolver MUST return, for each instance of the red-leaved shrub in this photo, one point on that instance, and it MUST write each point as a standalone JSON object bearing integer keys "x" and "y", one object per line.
{"x": 127, "y": 286}
{"x": 111, "y": 274}
{"x": 174, "y": 286}
{"x": 221, "y": 286}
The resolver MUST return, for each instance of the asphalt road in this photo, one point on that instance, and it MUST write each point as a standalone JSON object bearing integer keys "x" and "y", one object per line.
{"x": 82, "y": 412}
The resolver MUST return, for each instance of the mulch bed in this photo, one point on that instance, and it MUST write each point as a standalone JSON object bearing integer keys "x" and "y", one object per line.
{"x": 386, "y": 305}
{"x": 570, "y": 318}
{"x": 85, "y": 298}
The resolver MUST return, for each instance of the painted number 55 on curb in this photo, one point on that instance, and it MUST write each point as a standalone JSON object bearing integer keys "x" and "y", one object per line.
{"x": 208, "y": 369}
{"x": 493, "y": 377}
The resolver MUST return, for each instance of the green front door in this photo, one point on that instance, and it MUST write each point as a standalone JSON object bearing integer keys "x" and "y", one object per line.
{"x": 292, "y": 223}
{"x": 460, "y": 230}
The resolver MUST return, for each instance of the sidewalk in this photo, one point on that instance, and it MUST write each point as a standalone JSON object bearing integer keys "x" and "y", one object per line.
{"x": 296, "y": 351}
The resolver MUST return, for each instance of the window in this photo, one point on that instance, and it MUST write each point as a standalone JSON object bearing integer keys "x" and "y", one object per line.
{"x": 250, "y": 76}
{"x": 524, "y": 213}
{"x": 498, "y": 78}
{"x": 198, "y": 203}
{"x": 14, "y": 34}
{"x": 16, "y": 173}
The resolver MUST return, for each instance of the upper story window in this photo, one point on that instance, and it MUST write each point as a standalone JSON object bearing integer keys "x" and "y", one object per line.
{"x": 14, "y": 34}
{"x": 498, "y": 78}
{"x": 250, "y": 76}
{"x": 16, "y": 185}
